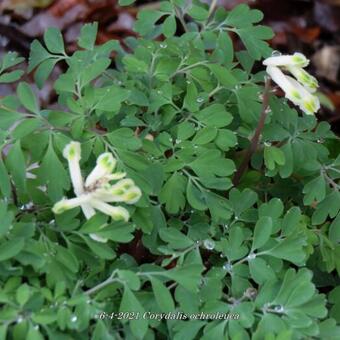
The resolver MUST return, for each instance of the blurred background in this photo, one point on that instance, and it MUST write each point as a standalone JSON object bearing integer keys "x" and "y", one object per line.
{"x": 308, "y": 26}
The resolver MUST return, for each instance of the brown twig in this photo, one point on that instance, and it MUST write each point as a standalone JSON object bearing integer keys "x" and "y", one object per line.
{"x": 254, "y": 141}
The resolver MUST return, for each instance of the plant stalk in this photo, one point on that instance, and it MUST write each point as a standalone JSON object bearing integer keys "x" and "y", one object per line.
{"x": 255, "y": 140}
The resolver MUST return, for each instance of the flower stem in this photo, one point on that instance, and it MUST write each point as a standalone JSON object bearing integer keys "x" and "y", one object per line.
{"x": 254, "y": 141}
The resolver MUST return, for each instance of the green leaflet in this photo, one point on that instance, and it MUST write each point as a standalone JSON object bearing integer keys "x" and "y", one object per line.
{"x": 177, "y": 108}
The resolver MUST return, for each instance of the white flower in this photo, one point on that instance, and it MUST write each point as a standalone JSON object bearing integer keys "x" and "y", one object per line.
{"x": 97, "y": 190}
{"x": 297, "y": 59}
{"x": 298, "y": 90}
{"x": 307, "y": 80}
{"x": 291, "y": 92}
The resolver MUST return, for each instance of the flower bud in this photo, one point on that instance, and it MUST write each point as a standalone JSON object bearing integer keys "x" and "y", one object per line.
{"x": 297, "y": 59}
{"x": 291, "y": 91}
{"x": 117, "y": 213}
{"x": 132, "y": 195}
{"x": 105, "y": 165}
{"x": 308, "y": 103}
{"x": 115, "y": 176}
{"x": 307, "y": 80}
{"x": 72, "y": 151}
{"x": 67, "y": 204}
{"x": 98, "y": 238}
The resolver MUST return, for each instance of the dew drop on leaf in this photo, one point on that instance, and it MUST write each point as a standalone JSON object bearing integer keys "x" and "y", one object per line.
{"x": 251, "y": 256}
{"x": 228, "y": 267}
{"x": 276, "y": 53}
{"x": 209, "y": 244}
{"x": 279, "y": 309}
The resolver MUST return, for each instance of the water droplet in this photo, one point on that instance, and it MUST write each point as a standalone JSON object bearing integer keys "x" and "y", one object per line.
{"x": 236, "y": 218}
{"x": 74, "y": 318}
{"x": 200, "y": 100}
{"x": 251, "y": 292}
{"x": 27, "y": 206}
{"x": 276, "y": 53}
{"x": 159, "y": 92}
{"x": 320, "y": 140}
{"x": 195, "y": 146}
{"x": 178, "y": 141}
{"x": 20, "y": 319}
{"x": 188, "y": 82}
{"x": 279, "y": 309}
{"x": 221, "y": 255}
{"x": 170, "y": 139}
{"x": 228, "y": 267}
{"x": 36, "y": 327}
{"x": 251, "y": 256}
{"x": 267, "y": 143}
{"x": 209, "y": 244}
{"x": 88, "y": 301}
{"x": 162, "y": 45}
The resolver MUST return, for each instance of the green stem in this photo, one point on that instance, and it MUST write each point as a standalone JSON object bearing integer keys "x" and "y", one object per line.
{"x": 111, "y": 279}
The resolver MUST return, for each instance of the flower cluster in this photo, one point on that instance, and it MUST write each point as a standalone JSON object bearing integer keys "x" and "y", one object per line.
{"x": 299, "y": 88}
{"x": 97, "y": 190}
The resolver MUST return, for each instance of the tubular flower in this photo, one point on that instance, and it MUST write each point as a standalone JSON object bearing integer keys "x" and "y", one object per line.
{"x": 299, "y": 89}
{"x": 97, "y": 190}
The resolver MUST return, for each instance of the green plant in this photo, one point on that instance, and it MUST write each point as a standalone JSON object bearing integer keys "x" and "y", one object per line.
{"x": 240, "y": 198}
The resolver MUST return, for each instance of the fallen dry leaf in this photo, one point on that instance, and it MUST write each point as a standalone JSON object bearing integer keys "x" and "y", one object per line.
{"x": 327, "y": 62}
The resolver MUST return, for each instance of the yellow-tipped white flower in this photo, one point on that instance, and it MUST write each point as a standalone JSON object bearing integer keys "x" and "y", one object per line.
{"x": 309, "y": 103}
{"x": 98, "y": 238}
{"x": 291, "y": 92}
{"x": 72, "y": 153}
{"x": 105, "y": 165}
{"x": 117, "y": 213}
{"x": 115, "y": 176}
{"x": 123, "y": 191}
{"x": 307, "y": 80}
{"x": 132, "y": 195}
{"x": 97, "y": 189}
{"x": 298, "y": 90}
{"x": 67, "y": 204}
{"x": 297, "y": 59}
